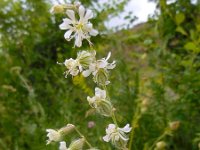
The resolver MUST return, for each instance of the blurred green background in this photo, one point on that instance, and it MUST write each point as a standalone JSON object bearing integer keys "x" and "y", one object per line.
{"x": 157, "y": 61}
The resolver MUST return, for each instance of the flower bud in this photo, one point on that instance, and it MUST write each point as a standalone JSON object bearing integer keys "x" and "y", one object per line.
{"x": 174, "y": 125}
{"x": 67, "y": 129}
{"x": 161, "y": 145}
{"x": 77, "y": 144}
{"x": 57, "y": 9}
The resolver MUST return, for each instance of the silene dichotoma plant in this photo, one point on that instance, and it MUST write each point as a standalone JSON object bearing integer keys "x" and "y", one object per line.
{"x": 78, "y": 27}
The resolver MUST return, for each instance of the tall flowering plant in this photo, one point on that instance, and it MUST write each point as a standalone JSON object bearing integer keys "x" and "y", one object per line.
{"x": 78, "y": 27}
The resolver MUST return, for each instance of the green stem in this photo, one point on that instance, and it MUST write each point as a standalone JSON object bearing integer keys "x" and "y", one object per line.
{"x": 114, "y": 118}
{"x": 81, "y": 135}
{"x": 107, "y": 93}
{"x": 134, "y": 125}
{"x": 157, "y": 140}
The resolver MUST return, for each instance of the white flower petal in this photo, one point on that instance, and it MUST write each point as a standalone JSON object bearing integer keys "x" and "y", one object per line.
{"x": 78, "y": 40}
{"x": 81, "y": 12}
{"x": 71, "y": 15}
{"x": 106, "y": 138}
{"x": 123, "y": 137}
{"x": 93, "y": 32}
{"x": 111, "y": 126}
{"x": 64, "y": 26}
{"x": 67, "y": 21}
{"x": 111, "y": 65}
{"x": 126, "y": 129}
{"x": 68, "y": 34}
{"x": 86, "y": 73}
{"x": 62, "y": 146}
{"x": 88, "y": 15}
{"x": 102, "y": 63}
{"x": 100, "y": 93}
{"x": 109, "y": 54}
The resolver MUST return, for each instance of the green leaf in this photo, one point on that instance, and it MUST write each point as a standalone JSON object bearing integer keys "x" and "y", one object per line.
{"x": 180, "y": 17}
{"x": 191, "y": 46}
{"x": 181, "y": 30}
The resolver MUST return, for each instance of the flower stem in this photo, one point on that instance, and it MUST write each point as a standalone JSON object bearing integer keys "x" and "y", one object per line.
{"x": 81, "y": 135}
{"x": 157, "y": 140}
{"x": 134, "y": 125}
{"x": 114, "y": 118}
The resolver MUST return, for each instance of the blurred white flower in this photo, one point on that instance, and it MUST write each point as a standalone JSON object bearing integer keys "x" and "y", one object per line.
{"x": 117, "y": 135}
{"x": 53, "y": 135}
{"x": 78, "y": 29}
{"x": 99, "y": 95}
{"x": 73, "y": 67}
{"x": 100, "y": 103}
{"x": 63, "y": 146}
{"x": 99, "y": 70}
{"x": 83, "y": 60}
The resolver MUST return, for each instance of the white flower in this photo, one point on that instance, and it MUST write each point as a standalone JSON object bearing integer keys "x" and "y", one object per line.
{"x": 73, "y": 67}
{"x": 63, "y": 146}
{"x": 53, "y": 135}
{"x": 100, "y": 102}
{"x": 78, "y": 29}
{"x": 99, "y": 70}
{"x": 117, "y": 135}
{"x": 99, "y": 95}
{"x": 83, "y": 60}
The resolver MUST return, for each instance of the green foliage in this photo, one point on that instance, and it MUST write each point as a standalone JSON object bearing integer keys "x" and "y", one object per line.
{"x": 158, "y": 62}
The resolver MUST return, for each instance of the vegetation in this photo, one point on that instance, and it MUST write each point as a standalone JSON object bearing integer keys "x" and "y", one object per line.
{"x": 156, "y": 81}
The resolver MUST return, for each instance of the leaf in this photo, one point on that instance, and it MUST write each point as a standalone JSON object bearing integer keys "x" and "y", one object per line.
{"x": 191, "y": 46}
{"x": 180, "y": 17}
{"x": 181, "y": 30}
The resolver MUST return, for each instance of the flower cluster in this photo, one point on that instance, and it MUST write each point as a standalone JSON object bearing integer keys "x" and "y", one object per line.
{"x": 86, "y": 64}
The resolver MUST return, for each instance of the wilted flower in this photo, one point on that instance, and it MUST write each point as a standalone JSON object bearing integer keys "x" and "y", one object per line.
{"x": 100, "y": 103}
{"x": 81, "y": 28}
{"x": 117, "y": 135}
{"x": 53, "y": 135}
{"x": 99, "y": 70}
{"x": 174, "y": 125}
{"x": 75, "y": 145}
